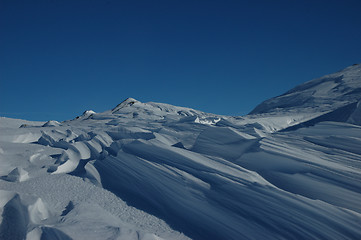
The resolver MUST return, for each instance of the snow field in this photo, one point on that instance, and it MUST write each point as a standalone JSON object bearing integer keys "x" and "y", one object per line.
{"x": 289, "y": 170}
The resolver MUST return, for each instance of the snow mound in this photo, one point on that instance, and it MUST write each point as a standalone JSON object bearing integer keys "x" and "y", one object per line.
{"x": 18, "y": 174}
{"x": 355, "y": 116}
{"x": 19, "y": 212}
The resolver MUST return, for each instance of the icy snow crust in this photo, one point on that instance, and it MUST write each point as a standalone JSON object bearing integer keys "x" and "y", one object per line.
{"x": 156, "y": 171}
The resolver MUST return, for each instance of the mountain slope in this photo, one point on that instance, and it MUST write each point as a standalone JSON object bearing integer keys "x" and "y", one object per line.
{"x": 334, "y": 97}
{"x": 157, "y": 171}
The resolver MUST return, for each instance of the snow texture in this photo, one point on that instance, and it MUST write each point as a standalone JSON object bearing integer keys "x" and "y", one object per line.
{"x": 291, "y": 169}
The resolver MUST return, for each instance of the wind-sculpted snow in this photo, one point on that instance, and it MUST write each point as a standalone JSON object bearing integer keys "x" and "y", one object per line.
{"x": 156, "y": 171}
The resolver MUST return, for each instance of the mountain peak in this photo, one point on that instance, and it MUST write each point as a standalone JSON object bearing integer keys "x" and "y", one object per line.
{"x": 126, "y": 103}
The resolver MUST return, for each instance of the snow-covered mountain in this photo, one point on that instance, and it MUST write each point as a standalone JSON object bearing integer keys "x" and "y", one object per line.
{"x": 291, "y": 169}
{"x": 334, "y": 97}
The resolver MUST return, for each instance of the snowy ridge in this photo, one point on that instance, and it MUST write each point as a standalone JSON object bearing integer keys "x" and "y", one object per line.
{"x": 338, "y": 92}
{"x": 126, "y": 103}
{"x": 157, "y": 171}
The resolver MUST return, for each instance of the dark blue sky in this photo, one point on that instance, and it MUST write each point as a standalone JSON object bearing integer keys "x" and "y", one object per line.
{"x": 59, "y": 58}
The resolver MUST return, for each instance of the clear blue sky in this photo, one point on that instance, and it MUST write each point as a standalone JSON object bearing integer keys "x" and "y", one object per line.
{"x": 59, "y": 58}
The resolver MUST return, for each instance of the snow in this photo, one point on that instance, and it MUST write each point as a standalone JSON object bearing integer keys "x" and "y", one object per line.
{"x": 355, "y": 117}
{"x": 86, "y": 114}
{"x": 289, "y": 170}
{"x": 320, "y": 95}
{"x": 16, "y": 123}
{"x": 126, "y": 103}
{"x": 51, "y": 123}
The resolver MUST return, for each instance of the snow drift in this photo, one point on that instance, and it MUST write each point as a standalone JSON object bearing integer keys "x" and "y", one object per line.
{"x": 291, "y": 169}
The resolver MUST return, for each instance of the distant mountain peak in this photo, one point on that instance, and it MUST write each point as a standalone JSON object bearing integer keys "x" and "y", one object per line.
{"x": 126, "y": 103}
{"x": 86, "y": 114}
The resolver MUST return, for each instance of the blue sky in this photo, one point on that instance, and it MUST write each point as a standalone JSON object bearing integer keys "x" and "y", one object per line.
{"x": 60, "y": 58}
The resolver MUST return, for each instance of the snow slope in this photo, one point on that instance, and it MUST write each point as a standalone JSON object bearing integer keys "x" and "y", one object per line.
{"x": 334, "y": 97}
{"x": 157, "y": 171}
